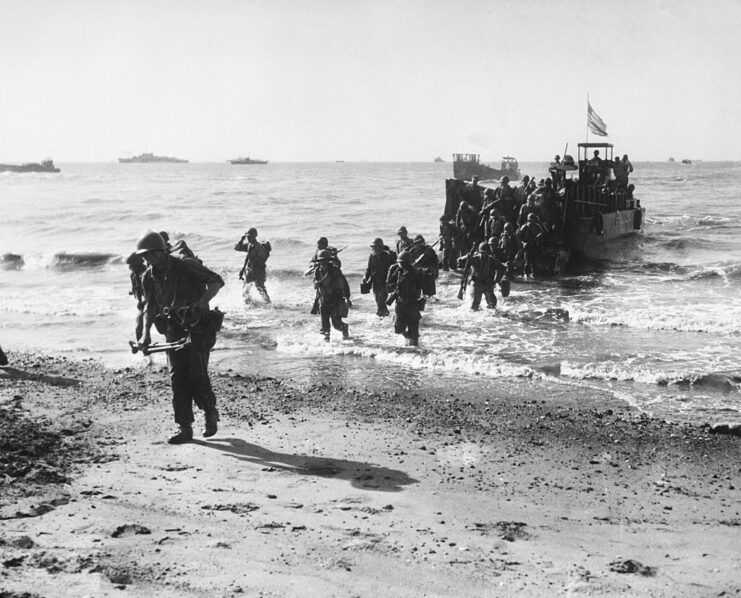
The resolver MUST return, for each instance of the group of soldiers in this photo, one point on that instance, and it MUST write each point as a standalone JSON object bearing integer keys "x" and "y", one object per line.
{"x": 173, "y": 288}
{"x": 511, "y": 225}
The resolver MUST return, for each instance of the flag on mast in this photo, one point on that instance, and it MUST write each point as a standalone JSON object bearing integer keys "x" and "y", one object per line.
{"x": 596, "y": 124}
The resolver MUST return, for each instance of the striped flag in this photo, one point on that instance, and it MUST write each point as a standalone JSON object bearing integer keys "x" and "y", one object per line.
{"x": 596, "y": 124}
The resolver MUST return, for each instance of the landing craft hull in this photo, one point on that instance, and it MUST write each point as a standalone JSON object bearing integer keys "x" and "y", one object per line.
{"x": 587, "y": 240}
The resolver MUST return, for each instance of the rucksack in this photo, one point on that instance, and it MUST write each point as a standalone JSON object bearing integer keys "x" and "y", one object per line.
{"x": 268, "y": 248}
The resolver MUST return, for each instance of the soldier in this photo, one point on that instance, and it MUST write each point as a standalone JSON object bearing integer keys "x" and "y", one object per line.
{"x": 530, "y": 207}
{"x": 467, "y": 220}
{"x": 530, "y": 235}
{"x": 485, "y": 271}
{"x": 404, "y": 284}
{"x": 505, "y": 200}
{"x": 3, "y": 357}
{"x": 180, "y": 249}
{"x": 253, "y": 270}
{"x": 379, "y": 262}
{"x": 424, "y": 258}
{"x": 448, "y": 233}
{"x": 403, "y": 242}
{"x": 322, "y": 244}
{"x": 176, "y": 295}
{"x": 334, "y": 295}
{"x": 494, "y": 225}
{"x": 509, "y": 247}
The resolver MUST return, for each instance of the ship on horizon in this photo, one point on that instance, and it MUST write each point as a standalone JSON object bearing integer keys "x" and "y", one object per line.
{"x": 46, "y": 165}
{"x": 247, "y": 160}
{"x": 148, "y": 157}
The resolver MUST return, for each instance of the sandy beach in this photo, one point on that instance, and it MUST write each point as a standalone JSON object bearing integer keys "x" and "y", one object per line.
{"x": 324, "y": 490}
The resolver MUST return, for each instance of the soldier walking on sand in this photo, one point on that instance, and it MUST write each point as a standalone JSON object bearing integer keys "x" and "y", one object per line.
{"x": 379, "y": 262}
{"x": 176, "y": 295}
{"x": 404, "y": 284}
{"x": 334, "y": 295}
{"x": 254, "y": 268}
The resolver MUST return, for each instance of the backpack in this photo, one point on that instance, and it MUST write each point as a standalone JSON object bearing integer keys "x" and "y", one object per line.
{"x": 268, "y": 248}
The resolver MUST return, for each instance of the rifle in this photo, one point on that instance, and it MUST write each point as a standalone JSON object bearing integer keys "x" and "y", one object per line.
{"x": 464, "y": 280}
{"x": 314, "y": 264}
{"x": 419, "y": 259}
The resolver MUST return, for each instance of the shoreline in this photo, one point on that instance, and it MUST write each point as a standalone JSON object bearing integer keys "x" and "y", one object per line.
{"x": 330, "y": 489}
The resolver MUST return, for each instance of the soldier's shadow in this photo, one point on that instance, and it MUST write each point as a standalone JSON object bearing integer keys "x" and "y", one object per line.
{"x": 360, "y": 474}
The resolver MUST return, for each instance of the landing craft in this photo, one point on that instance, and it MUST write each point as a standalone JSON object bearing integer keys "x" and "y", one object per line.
{"x": 595, "y": 209}
{"x": 466, "y": 166}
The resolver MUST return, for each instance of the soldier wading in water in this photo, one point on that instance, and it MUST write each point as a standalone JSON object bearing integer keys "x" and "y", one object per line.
{"x": 253, "y": 271}
{"x": 333, "y": 294}
{"x": 405, "y": 284}
{"x": 175, "y": 298}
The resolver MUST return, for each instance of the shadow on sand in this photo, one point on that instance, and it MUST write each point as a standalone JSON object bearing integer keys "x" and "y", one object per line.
{"x": 361, "y": 475}
{"x": 16, "y": 374}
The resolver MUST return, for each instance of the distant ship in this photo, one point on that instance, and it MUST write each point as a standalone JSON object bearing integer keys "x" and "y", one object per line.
{"x": 439, "y": 159}
{"x": 149, "y": 157}
{"x": 45, "y": 166}
{"x": 686, "y": 161}
{"x": 247, "y": 160}
{"x": 671, "y": 159}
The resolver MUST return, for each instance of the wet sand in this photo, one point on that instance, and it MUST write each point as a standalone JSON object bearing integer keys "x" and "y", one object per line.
{"x": 327, "y": 490}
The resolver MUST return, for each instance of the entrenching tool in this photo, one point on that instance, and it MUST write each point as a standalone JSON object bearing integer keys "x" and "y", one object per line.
{"x": 159, "y": 347}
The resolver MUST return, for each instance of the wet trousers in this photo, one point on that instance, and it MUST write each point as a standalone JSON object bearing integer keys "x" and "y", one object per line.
{"x": 381, "y": 296}
{"x": 487, "y": 290}
{"x": 190, "y": 383}
{"x": 330, "y": 314}
{"x": 407, "y": 320}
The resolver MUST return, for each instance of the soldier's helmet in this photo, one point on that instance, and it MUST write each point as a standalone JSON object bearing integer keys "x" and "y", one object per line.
{"x": 489, "y": 192}
{"x": 443, "y": 218}
{"x": 531, "y": 217}
{"x": 377, "y": 242}
{"x": 401, "y": 230}
{"x": 322, "y": 243}
{"x": 419, "y": 239}
{"x": 252, "y": 232}
{"x": 493, "y": 241}
{"x": 325, "y": 255}
{"x": 475, "y": 178}
{"x": 483, "y": 246}
{"x": 150, "y": 241}
{"x": 504, "y": 179}
{"x": 404, "y": 257}
{"x": 509, "y": 226}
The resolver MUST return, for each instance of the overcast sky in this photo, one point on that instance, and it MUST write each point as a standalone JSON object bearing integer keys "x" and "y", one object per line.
{"x": 327, "y": 80}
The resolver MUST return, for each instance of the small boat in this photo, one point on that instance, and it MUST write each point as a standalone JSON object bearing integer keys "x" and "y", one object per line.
{"x": 671, "y": 160}
{"x": 438, "y": 159}
{"x": 148, "y": 157}
{"x": 247, "y": 160}
{"x": 686, "y": 161}
{"x": 466, "y": 166}
{"x": 43, "y": 166}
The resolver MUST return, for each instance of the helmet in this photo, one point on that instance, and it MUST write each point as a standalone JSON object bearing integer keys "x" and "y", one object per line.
{"x": 402, "y": 229}
{"x": 377, "y": 242}
{"x": 324, "y": 255}
{"x": 489, "y": 192}
{"x": 404, "y": 257}
{"x": 475, "y": 178}
{"x": 493, "y": 241}
{"x": 419, "y": 239}
{"x": 483, "y": 247}
{"x": 252, "y": 232}
{"x": 531, "y": 217}
{"x": 322, "y": 243}
{"x": 504, "y": 179}
{"x": 150, "y": 241}
{"x": 509, "y": 226}
{"x": 164, "y": 235}
{"x": 443, "y": 218}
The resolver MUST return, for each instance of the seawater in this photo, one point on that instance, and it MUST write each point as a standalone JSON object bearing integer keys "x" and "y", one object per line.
{"x": 658, "y": 326}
